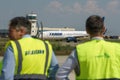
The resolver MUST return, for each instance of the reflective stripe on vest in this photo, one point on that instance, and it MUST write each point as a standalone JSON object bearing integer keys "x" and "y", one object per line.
{"x": 98, "y": 59}
{"x": 30, "y": 77}
{"x": 20, "y": 58}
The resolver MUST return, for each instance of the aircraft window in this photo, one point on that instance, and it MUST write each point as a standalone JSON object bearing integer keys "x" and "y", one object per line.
{"x": 31, "y": 17}
{"x": 57, "y": 34}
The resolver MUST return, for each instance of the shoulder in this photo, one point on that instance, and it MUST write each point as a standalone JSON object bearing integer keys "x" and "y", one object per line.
{"x": 47, "y": 42}
{"x": 8, "y": 43}
{"x": 112, "y": 43}
{"x": 83, "y": 44}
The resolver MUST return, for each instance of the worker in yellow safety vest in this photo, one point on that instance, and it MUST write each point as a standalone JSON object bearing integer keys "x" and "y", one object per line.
{"x": 27, "y": 58}
{"x": 96, "y": 59}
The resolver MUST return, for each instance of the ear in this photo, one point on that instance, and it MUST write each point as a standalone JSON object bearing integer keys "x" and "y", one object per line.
{"x": 104, "y": 30}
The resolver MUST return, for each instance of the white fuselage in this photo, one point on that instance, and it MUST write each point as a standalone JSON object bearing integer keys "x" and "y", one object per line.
{"x": 63, "y": 34}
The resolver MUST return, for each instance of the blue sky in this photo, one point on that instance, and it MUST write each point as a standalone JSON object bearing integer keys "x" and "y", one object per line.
{"x": 63, "y": 13}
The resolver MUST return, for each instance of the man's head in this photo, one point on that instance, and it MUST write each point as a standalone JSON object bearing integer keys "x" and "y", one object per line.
{"x": 18, "y": 27}
{"x": 95, "y": 26}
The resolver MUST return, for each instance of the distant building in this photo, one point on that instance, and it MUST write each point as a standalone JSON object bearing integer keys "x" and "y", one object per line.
{"x": 3, "y": 33}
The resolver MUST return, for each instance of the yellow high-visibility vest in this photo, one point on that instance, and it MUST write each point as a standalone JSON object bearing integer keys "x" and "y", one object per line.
{"x": 98, "y": 59}
{"x": 32, "y": 56}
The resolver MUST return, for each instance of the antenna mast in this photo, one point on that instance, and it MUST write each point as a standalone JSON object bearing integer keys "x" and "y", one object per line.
{"x": 41, "y": 30}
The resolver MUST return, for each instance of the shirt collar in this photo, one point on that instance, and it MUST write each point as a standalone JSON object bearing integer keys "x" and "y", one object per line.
{"x": 26, "y": 36}
{"x": 97, "y": 38}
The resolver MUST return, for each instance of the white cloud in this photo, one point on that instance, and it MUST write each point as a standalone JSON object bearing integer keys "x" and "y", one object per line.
{"x": 77, "y": 8}
{"x": 55, "y": 7}
{"x": 92, "y": 7}
{"x": 112, "y": 6}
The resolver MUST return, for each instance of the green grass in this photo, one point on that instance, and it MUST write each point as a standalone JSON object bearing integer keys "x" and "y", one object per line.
{"x": 0, "y": 67}
{"x": 61, "y": 49}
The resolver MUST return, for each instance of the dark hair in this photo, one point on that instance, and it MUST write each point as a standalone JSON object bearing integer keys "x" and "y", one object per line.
{"x": 94, "y": 24}
{"x": 18, "y": 22}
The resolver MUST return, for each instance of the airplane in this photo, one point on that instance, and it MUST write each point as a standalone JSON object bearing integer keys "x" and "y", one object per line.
{"x": 68, "y": 35}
